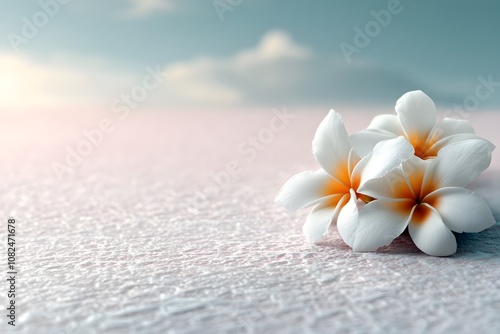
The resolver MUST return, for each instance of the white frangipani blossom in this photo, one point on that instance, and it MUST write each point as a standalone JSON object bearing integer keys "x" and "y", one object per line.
{"x": 416, "y": 121}
{"x": 342, "y": 174}
{"x": 404, "y": 172}
{"x": 428, "y": 197}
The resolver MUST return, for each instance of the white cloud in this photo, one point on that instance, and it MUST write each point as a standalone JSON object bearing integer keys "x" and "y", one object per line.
{"x": 233, "y": 80}
{"x": 277, "y": 71}
{"x": 275, "y": 68}
{"x": 280, "y": 71}
{"x": 28, "y": 84}
{"x": 274, "y": 45}
{"x": 143, "y": 8}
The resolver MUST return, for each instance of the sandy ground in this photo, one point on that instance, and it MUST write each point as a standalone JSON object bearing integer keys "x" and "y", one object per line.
{"x": 138, "y": 238}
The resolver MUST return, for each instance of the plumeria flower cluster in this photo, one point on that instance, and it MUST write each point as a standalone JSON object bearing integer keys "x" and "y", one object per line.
{"x": 405, "y": 171}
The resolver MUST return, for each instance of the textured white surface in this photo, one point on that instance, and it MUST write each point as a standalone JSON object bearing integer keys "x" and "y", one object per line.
{"x": 124, "y": 247}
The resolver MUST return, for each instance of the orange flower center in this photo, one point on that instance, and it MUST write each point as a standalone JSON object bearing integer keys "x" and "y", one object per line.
{"x": 423, "y": 145}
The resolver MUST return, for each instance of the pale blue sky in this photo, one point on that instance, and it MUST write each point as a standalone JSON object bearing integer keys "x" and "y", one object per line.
{"x": 94, "y": 50}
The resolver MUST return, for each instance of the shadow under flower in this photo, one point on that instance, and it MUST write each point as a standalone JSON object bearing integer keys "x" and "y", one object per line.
{"x": 401, "y": 245}
{"x": 485, "y": 244}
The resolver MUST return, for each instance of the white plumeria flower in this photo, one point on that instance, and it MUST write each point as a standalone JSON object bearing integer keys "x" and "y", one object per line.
{"x": 428, "y": 197}
{"x": 342, "y": 173}
{"x": 416, "y": 121}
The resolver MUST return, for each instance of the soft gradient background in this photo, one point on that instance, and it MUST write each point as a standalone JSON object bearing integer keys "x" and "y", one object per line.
{"x": 147, "y": 231}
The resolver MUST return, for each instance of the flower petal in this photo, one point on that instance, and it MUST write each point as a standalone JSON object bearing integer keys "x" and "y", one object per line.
{"x": 433, "y": 150}
{"x": 393, "y": 186}
{"x": 320, "y": 218}
{"x": 353, "y": 160}
{"x": 331, "y": 145}
{"x": 450, "y": 126}
{"x": 401, "y": 183}
{"x": 304, "y": 189}
{"x": 348, "y": 219}
{"x": 457, "y": 164}
{"x": 414, "y": 170}
{"x": 389, "y": 123}
{"x": 380, "y": 222}
{"x": 488, "y": 187}
{"x": 461, "y": 209}
{"x": 445, "y": 132}
{"x": 386, "y": 156}
{"x": 364, "y": 141}
{"x": 429, "y": 233}
{"x": 417, "y": 114}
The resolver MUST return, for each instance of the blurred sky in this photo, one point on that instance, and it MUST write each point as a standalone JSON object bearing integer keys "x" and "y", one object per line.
{"x": 245, "y": 53}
